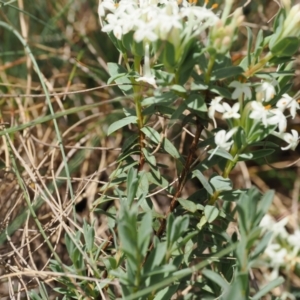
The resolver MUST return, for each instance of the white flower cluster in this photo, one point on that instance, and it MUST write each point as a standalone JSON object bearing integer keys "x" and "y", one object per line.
{"x": 260, "y": 110}
{"x": 283, "y": 248}
{"x": 153, "y": 20}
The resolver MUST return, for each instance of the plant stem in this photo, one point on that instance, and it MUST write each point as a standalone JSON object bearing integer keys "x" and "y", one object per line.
{"x": 257, "y": 67}
{"x": 211, "y": 63}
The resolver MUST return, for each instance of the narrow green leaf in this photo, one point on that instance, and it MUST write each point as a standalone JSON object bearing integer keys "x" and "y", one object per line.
{"x": 132, "y": 185}
{"x": 170, "y": 148}
{"x": 216, "y": 278}
{"x": 227, "y": 72}
{"x": 121, "y": 123}
{"x": 144, "y": 233}
{"x": 152, "y": 134}
{"x": 196, "y": 102}
{"x": 287, "y": 46}
{"x": 166, "y": 293}
{"x": 178, "y": 88}
{"x": 149, "y": 158}
{"x": 249, "y": 45}
{"x": 232, "y": 195}
{"x": 220, "y": 183}
{"x": 269, "y": 287}
{"x": 222, "y": 153}
{"x": 89, "y": 236}
{"x": 204, "y": 181}
{"x": 125, "y": 84}
{"x": 188, "y": 205}
{"x": 262, "y": 245}
{"x": 255, "y": 154}
{"x": 211, "y": 213}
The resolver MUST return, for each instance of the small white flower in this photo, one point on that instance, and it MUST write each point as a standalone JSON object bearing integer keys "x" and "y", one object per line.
{"x": 104, "y": 6}
{"x": 222, "y": 139}
{"x": 278, "y": 228}
{"x": 115, "y": 25}
{"x": 268, "y": 116}
{"x": 267, "y": 222}
{"x": 231, "y": 112}
{"x": 277, "y": 118}
{"x": 277, "y": 254}
{"x": 292, "y": 139}
{"x": 288, "y": 102}
{"x": 241, "y": 88}
{"x": 147, "y": 75}
{"x": 294, "y": 239}
{"x": 146, "y": 32}
{"x": 259, "y": 112}
{"x": 215, "y": 105}
{"x": 267, "y": 90}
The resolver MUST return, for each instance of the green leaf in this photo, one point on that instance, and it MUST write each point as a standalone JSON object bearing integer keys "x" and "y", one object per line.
{"x": 201, "y": 223}
{"x": 152, "y": 134}
{"x": 121, "y": 123}
{"x": 170, "y": 148}
{"x": 89, "y": 235}
{"x": 269, "y": 287}
{"x": 249, "y": 45}
{"x": 211, "y": 213}
{"x": 204, "y": 181}
{"x": 232, "y": 195}
{"x": 178, "y": 88}
{"x": 188, "y": 205}
{"x": 149, "y": 158}
{"x": 143, "y": 187}
{"x": 170, "y": 222}
{"x": 166, "y": 293}
{"x": 220, "y": 183}
{"x": 220, "y": 91}
{"x": 262, "y": 245}
{"x": 156, "y": 256}
{"x": 216, "y": 278}
{"x": 253, "y": 155}
{"x": 168, "y": 55}
{"x": 161, "y": 269}
{"x": 144, "y": 233}
{"x": 179, "y": 226}
{"x": 259, "y": 43}
{"x": 132, "y": 185}
{"x": 239, "y": 288}
{"x": 253, "y": 237}
{"x": 287, "y": 46}
{"x": 227, "y": 72}
{"x": 196, "y": 102}
{"x": 240, "y": 138}
{"x": 124, "y": 83}
{"x": 222, "y": 153}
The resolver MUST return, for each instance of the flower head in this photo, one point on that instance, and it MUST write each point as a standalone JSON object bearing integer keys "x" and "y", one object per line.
{"x": 231, "y": 112}
{"x": 266, "y": 90}
{"x": 292, "y": 139}
{"x": 240, "y": 89}
{"x": 288, "y": 102}
{"x": 222, "y": 138}
{"x": 147, "y": 75}
{"x": 215, "y": 105}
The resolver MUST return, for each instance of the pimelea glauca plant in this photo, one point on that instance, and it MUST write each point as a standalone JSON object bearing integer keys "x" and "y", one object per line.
{"x": 176, "y": 67}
